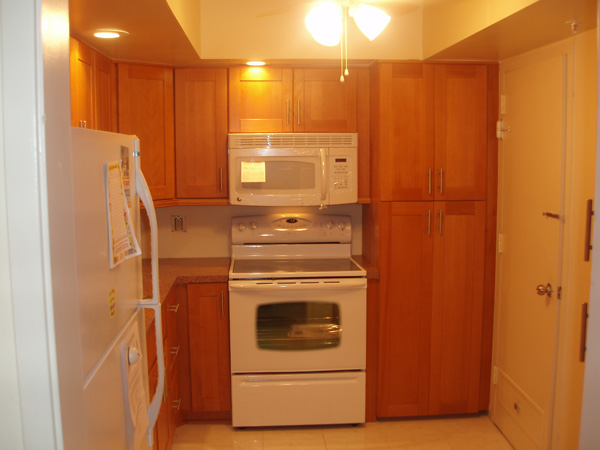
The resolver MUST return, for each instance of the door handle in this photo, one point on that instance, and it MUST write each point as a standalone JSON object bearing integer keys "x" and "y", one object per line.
{"x": 544, "y": 290}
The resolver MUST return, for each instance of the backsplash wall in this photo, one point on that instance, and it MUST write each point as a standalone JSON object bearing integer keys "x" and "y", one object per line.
{"x": 208, "y": 228}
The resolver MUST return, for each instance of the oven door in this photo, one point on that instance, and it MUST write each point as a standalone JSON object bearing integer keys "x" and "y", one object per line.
{"x": 300, "y": 325}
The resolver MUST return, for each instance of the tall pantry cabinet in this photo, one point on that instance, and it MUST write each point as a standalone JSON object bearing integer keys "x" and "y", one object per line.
{"x": 431, "y": 230}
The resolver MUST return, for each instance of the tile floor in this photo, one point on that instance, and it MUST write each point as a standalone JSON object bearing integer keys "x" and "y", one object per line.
{"x": 457, "y": 433}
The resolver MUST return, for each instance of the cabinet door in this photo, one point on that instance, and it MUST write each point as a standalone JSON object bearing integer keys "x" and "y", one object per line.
{"x": 406, "y": 118}
{"x": 82, "y": 84}
{"x": 105, "y": 93}
{"x": 460, "y": 132}
{"x": 457, "y": 307}
{"x": 201, "y": 132}
{"x": 260, "y": 100}
{"x": 146, "y": 110}
{"x": 322, "y": 103}
{"x": 208, "y": 323}
{"x": 405, "y": 308}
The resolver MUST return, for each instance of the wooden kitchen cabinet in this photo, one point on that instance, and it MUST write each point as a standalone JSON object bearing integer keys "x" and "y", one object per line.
{"x": 322, "y": 104}
{"x": 146, "y": 110}
{"x": 431, "y": 124}
{"x": 431, "y": 307}
{"x": 208, "y": 328}
{"x": 459, "y": 253}
{"x": 406, "y": 285}
{"x": 169, "y": 416}
{"x": 278, "y": 100}
{"x": 201, "y": 133}
{"x": 93, "y": 88}
{"x": 260, "y": 100}
{"x": 460, "y": 131}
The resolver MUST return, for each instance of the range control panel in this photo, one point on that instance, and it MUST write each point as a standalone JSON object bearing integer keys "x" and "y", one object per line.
{"x": 291, "y": 229}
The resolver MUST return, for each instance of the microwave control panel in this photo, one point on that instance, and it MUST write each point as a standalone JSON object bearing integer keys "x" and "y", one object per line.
{"x": 342, "y": 175}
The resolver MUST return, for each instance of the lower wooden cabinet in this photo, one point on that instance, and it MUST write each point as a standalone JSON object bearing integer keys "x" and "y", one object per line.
{"x": 169, "y": 415}
{"x": 209, "y": 368}
{"x": 430, "y": 307}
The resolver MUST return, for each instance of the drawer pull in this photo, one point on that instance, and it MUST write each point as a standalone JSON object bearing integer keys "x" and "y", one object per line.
{"x": 517, "y": 407}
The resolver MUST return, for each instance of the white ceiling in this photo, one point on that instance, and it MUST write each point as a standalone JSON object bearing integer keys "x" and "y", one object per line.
{"x": 232, "y": 31}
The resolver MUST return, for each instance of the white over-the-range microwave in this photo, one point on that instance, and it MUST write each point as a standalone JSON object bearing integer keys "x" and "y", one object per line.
{"x": 292, "y": 169}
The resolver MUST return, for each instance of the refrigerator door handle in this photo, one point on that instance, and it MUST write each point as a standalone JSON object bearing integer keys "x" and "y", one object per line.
{"x": 144, "y": 193}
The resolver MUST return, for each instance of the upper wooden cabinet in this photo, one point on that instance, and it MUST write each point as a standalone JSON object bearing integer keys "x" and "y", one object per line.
{"x": 146, "y": 110}
{"x": 201, "y": 133}
{"x": 460, "y": 131}
{"x": 280, "y": 100}
{"x": 93, "y": 88}
{"x": 431, "y": 124}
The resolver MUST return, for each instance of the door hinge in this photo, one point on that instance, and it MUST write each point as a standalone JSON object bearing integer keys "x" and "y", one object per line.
{"x": 500, "y": 243}
{"x": 500, "y": 129}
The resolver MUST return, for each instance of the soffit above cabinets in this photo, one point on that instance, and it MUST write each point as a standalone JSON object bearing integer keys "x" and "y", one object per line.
{"x": 226, "y": 32}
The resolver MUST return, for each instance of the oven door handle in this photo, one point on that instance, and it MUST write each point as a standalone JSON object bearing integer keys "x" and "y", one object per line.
{"x": 297, "y": 285}
{"x": 324, "y": 187}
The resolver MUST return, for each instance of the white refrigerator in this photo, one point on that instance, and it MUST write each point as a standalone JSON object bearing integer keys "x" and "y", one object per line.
{"x": 120, "y": 413}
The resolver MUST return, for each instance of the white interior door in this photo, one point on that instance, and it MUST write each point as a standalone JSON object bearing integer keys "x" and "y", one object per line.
{"x": 531, "y": 225}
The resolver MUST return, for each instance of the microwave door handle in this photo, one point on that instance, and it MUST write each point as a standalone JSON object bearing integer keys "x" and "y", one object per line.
{"x": 323, "y": 155}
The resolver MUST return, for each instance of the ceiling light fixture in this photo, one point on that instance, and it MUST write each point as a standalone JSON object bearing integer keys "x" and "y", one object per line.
{"x": 328, "y": 23}
{"x": 109, "y": 34}
{"x": 256, "y": 63}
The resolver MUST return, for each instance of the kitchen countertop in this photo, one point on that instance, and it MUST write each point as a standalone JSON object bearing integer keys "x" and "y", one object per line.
{"x": 173, "y": 271}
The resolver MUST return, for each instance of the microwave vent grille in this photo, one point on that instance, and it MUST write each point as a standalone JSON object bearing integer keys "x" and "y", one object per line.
{"x": 293, "y": 140}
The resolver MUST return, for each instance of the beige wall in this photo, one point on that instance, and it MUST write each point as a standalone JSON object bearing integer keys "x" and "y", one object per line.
{"x": 208, "y": 228}
{"x": 242, "y": 29}
{"x": 446, "y": 23}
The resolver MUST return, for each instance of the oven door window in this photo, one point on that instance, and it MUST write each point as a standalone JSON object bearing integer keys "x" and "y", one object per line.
{"x": 298, "y": 326}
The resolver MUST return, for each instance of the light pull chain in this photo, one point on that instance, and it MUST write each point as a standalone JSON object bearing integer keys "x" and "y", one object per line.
{"x": 346, "y": 39}
{"x": 344, "y": 45}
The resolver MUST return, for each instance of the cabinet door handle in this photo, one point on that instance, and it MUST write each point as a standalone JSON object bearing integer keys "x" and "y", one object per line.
{"x": 429, "y": 222}
{"x": 287, "y": 112}
{"x": 441, "y": 181}
{"x": 177, "y": 404}
{"x": 175, "y": 350}
{"x": 429, "y": 183}
{"x": 440, "y": 222}
{"x": 298, "y": 120}
{"x": 583, "y": 337}
{"x": 174, "y": 308}
{"x": 221, "y": 179}
{"x": 222, "y": 305}
{"x": 588, "y": 229}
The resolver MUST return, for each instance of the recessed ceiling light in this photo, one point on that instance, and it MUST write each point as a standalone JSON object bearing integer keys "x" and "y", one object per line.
{"x": 256, "y": 63}
{"x": 109, "y": 34}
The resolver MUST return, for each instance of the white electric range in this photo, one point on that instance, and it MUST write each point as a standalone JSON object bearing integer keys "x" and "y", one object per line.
{"x": 297, "y": 321}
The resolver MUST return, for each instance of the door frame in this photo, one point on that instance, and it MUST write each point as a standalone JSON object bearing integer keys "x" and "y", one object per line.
{"x": 566, "y": 406}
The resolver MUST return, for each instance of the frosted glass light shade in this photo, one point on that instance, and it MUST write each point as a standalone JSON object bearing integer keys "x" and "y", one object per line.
{"x": 324, "y": 22}
{"x": 370, "y": 20}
